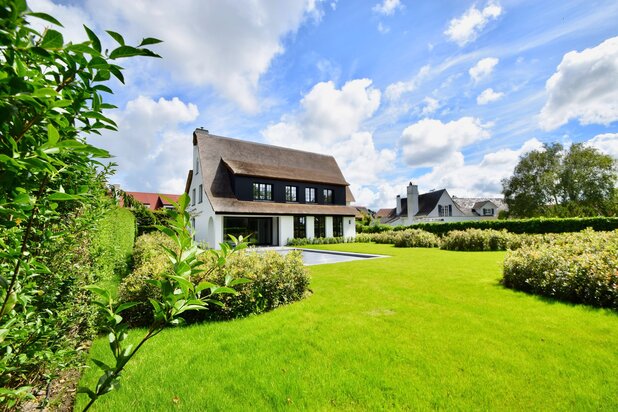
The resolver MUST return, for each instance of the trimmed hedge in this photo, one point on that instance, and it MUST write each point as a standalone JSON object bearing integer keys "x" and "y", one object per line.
{"x": 408, "y": 238}
{"x": 531, "y": 226}
{"x": 575, "y": 267}
{"x": 485, "y": 240}
{"x": 275, "y": 280}
{"x": 112, "y": 244}
{"x": 329, "y": 240}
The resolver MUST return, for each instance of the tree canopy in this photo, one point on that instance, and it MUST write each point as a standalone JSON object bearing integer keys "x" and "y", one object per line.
{"x": 554, "y": 181}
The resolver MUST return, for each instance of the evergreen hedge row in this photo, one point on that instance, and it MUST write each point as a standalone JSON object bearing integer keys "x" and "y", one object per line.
{"x": 531, "y": 226}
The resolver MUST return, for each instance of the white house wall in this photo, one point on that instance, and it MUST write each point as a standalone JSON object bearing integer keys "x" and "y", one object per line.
{"x": 349, "y": 226}
{"x": 446, "y": 200}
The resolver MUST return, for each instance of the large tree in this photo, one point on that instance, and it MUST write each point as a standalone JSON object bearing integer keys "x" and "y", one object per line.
{"x": 554, "y": 181}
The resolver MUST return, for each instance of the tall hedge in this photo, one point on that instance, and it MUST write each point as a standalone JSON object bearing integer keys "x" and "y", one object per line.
{"x": 531, "y": 226}
{"x": 112, "y": 243}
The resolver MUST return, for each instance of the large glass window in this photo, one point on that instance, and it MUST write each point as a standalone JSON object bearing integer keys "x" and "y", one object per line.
{"x": 290, "y": 194}
{"x": 319, "y": 228}
{"x": 328, "y": 196}
{"x": 488, "y": 212}
{"x": 262, "y": 191}
{"x": 310, "y": 195}
{"x": 337, "y": 226}
{"x": 300, "y": 227}
{"x": 259, "y": 229}
{"x": 446, "y": 210}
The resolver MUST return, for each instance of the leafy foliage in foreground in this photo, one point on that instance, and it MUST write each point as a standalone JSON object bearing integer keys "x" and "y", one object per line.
{"x": 275, "y": 280}
{"x": 51, "y": 97}
{"x": 181, "y": 289}
{"x": 575, "y": 267}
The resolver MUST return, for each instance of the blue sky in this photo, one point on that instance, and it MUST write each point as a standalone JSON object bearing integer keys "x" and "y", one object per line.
{"x": 447, "y": 94}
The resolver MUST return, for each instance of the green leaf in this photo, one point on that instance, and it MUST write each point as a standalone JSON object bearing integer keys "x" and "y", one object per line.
{"x": 223, "y": 289}
{"x": 239, "y": 281}
{"x": 101, "y": 365}
{"x": 52, "y": 134}
{"x": 63, "y": 196}
{"x": 99, "y": 291}
{"x": 149, "y": 40}
{"x": 116, "y": 36}
{"x": 96, "y": 43}
{"x": 3, "y": 333}
{"x": 204, "y": 285}
{"x": 52, "y": 40}
{"x": 126, "y": 306}
{"x": 45, "y": 17}
{"x": 89, "y": 392}
{"x": 116, "y": 71}
{"x": 126, "y": 51}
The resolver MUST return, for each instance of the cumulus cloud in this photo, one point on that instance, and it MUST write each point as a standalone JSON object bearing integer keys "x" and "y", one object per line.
{"x": 607, "y": 143}
{"x": 152, "y": 149}
{"x": 387, "y": 7}
{"x": 72, "y": 19}
{"x": 465, "y": 29}
{"x": 383, "y": 29}
{"x": 429, "y": 141}
{"x": 330, "y": 121}
{"x": 227, "y": 47}
{"x": 584, "y": 87}
{"x": 471, "y": 180}
{"x": 483, "y": 68}
{"x": 488, "y": 96}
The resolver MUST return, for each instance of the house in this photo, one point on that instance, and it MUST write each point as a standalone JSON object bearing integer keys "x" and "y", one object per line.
{"x": 272, "y": 193}
{"x": 154, "y": 201}
{"x": 438, "y": 206}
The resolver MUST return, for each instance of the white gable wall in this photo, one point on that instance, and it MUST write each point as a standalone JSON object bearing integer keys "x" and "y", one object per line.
{"x": 446, "y": 200}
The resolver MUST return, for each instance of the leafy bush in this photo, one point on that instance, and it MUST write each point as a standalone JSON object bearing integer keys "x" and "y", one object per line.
{"x": 276, "y": 280}
{"x": 477, "y": 240}
{"x": 407, "y": 238}
{"x": 576, "y": 267}
{"x": 328, "y": 240}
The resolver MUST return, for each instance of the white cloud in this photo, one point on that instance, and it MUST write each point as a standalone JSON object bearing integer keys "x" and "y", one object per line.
{"x": 396, "y": 90}
{"x": 152, "y": 150}
{"x": 483, "y": 68}
{"x": 584, "y": 87}
{"x": 383, "y": 29}
{"x": 429, "y": 141}
{"x": 607, "y": 143}
{"x": 431, "y": 105}
{"x": 387, "y": 7}
{"x": 471, "y": 180}
{"x": 330, "y": 121}
{"x": 488, "y": 96}
{"x": 464, "y": 29}
{"x": 228, "y": 47}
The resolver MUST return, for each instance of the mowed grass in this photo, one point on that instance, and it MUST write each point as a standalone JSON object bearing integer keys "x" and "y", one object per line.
{"x": 423, "y": 329}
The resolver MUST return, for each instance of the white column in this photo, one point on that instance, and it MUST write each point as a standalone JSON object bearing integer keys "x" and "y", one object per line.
{"x": 329, "y": 226}
{"x": 349, "y": 226}
{"x": 286, "y": 229}
{"x": 310, "y": 221}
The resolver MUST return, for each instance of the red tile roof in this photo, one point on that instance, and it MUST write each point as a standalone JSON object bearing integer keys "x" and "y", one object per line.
{"x": 153, "y": 200}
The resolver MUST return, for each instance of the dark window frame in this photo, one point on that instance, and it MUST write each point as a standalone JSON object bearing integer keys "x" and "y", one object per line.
{"x": 319, "y": 226}
{"x": 262, "y": 191}
{"x": 310, "y": 195}
{"x": 300, "y": 227}
{"x": 337, "y": 226}
{"x": 329, "y": 197}
{"x": 193, "y": 197}
{"x": 200, "y": 196}
{"x": 291, "y": 193}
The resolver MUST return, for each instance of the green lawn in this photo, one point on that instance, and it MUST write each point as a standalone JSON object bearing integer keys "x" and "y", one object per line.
{"x": 423, "y": 329}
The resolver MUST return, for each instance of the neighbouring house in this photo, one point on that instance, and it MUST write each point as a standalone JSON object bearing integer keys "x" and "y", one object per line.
{"x": 154, "y": 201}
{"x": 362, "y": 213}
{"x": 272, "y": 193}
{"x": 438, "y": 206}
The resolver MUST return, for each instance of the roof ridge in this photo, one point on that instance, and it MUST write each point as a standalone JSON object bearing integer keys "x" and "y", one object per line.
{"x": 262, "y": 144}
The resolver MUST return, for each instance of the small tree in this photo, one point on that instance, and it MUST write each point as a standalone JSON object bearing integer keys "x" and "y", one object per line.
{"x": 579, "y": 181}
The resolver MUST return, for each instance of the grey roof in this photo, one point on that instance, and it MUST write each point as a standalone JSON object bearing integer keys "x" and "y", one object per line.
{"x": 428, "y": 202}
{"x": 468, "y": 204}
{"x": 221, "y": 157}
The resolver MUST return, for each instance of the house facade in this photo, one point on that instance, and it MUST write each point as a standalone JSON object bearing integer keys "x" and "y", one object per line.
{"x": 272, "y": 193}
{"x": 438, "y": 206}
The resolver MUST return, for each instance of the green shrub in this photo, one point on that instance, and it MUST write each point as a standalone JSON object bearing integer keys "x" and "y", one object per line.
{"x": 576, "y": 267}
{"x": 477, "y": 240}
{"x": 276, "y": 280}
{"x": 416, "y": 238}
{"x": 328, "y": 240}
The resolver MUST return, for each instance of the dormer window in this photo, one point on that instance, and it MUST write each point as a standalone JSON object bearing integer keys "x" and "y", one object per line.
{"x": 310, "y": 195}
{"x": 328, "y": 196}
{"x": 262, "y": 191}
{"x": 291, "y": 194}
{"x": 488, "y": 212}
{"x": 446, "y": 210}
